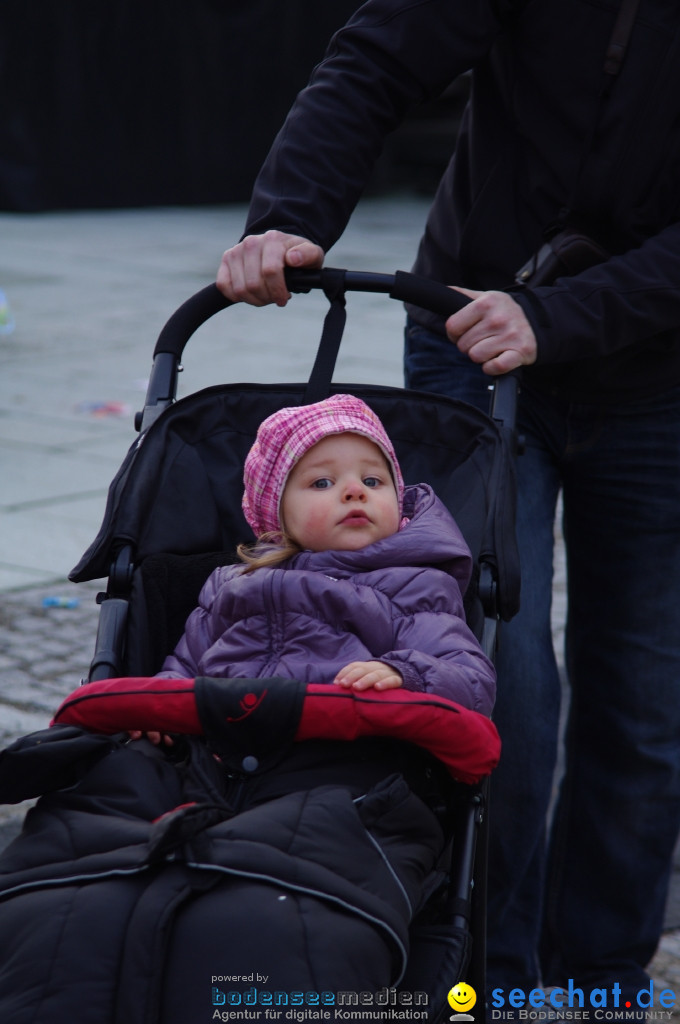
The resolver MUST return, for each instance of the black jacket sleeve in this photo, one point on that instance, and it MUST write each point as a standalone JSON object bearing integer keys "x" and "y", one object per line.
{"x": 636, "y": 294}
{"x": 392, "y": 55}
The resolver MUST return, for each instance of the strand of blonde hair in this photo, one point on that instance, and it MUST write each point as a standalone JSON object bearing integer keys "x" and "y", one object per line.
{"x": 268, "y": 551}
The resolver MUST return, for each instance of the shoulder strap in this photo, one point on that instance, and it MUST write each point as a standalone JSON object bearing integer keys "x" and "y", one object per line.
{"x": 614, "y": 57}
{"x": 618, "y": 44}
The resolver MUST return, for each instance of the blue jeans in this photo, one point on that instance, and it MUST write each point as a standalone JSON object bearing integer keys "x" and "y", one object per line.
{"x": 584, "y": 898}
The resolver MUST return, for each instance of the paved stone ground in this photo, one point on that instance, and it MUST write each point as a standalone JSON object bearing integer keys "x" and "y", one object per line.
{"x": 44, "y": 653}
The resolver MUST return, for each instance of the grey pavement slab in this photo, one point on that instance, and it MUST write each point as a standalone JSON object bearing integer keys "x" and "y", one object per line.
{"x": 90, "y": 292}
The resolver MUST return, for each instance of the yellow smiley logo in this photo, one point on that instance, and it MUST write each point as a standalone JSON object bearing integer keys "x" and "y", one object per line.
{"x": 462, "y": 997}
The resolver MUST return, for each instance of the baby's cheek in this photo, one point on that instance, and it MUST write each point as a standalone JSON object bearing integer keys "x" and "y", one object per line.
{"x": 315, "y": 520}
{"x": 314, "y": 528}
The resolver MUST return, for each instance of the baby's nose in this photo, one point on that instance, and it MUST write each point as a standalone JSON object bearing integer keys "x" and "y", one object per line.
{"x": 354, "y": 490}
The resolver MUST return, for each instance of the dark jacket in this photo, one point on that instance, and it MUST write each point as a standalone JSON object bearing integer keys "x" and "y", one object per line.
{"x": 398, "y": 600}
{"x": 611, "y": 332}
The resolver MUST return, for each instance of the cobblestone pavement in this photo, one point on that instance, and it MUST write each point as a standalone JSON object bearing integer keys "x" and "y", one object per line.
{"x": 44, "y": 654}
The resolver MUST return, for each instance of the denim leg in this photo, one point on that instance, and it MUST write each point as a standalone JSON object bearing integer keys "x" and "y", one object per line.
{"x": 527, "y": 714}
{"x": 433, "y": 363}
{"x": 619, "y": 811}
{"x": 528, "y": 696}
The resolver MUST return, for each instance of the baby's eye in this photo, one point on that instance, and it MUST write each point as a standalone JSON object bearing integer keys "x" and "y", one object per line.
{"x": 322, "y": 483}
{"x": 372, "y": 481}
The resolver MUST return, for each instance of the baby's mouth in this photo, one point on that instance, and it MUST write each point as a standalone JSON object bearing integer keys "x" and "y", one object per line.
{"x": 356, "y": 516}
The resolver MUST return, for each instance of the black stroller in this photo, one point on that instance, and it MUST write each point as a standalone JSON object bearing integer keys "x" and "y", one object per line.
{"x": 173, "y": 515}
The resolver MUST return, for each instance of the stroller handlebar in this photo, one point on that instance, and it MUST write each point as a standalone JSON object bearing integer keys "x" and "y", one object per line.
{"x": 200, "y": 307}
{"x": 419, "y": 291}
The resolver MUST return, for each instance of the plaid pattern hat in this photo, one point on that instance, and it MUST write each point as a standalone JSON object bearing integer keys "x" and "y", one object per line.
{"x": 284, "y": 437}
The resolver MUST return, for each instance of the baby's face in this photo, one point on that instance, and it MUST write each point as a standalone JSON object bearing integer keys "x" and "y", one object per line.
{"x": 340, "y": 496}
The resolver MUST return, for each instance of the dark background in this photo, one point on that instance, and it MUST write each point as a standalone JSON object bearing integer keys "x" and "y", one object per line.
{"x": 139, "y": 103}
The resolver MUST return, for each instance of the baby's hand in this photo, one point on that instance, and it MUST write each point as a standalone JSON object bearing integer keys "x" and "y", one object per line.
{"x": 152, "y": 737}
{"x": 364, "y": 675}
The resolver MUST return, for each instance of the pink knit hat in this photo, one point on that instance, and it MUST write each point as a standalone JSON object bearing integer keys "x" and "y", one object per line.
{"x": 284, "y": 437}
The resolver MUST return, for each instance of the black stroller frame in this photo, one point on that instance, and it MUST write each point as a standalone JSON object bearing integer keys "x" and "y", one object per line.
{"x": 126, "y": 548}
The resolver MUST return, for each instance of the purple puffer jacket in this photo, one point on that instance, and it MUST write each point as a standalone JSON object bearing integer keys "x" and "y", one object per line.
{"x": 398, "y": 601}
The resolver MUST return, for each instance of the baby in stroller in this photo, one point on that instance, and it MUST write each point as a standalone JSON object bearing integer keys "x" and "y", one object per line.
{"x": 354, "y": 580}
{"x": 299, "y": 870}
